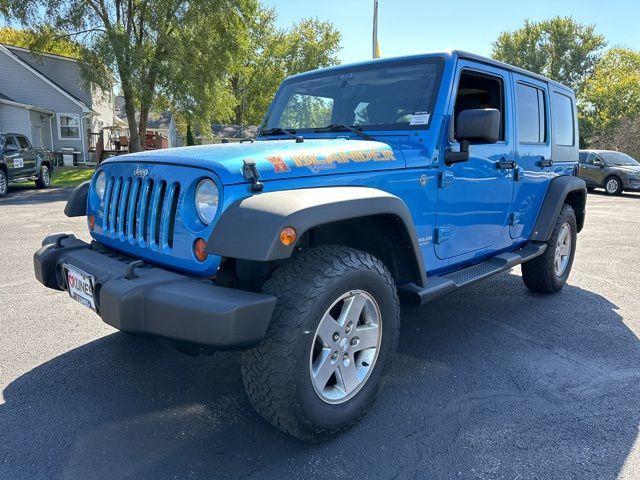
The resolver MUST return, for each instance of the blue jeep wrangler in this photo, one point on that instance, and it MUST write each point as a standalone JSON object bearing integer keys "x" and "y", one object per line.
{"x": 392, "y": 180}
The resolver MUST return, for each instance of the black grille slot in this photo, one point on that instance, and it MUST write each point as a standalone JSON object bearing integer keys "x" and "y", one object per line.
{"x": 141, "y": 211}
{"x": 172, "y": 213}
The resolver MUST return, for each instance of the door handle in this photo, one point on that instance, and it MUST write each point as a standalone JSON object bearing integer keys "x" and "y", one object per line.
{"x": 545, "y": 162}
{"x": 506, "y": 164}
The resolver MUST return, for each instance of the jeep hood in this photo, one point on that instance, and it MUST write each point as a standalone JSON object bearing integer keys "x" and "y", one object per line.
{"x": 278, "y": 159}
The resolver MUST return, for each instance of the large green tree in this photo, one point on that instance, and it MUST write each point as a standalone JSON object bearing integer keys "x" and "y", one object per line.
{"x": 610, "y": 95}
{"x": 177, "y": 51}
{"x": 275, "y": 53}
{"x": 560, "y": 48}
{"x": 46, "y": 43}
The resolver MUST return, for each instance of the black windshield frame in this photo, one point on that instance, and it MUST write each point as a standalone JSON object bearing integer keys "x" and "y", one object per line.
{"x": 429, "y": 107}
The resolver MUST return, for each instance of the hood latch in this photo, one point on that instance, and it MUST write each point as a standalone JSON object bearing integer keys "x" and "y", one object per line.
{"x": 250, "y": 174}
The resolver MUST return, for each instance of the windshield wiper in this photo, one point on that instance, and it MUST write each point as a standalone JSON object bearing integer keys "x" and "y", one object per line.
{"x": 340, "y": 126}
{"x": 282, "y": 131}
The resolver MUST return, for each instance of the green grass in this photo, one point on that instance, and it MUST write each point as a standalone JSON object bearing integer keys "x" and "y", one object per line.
{"x": 70, "y": 176}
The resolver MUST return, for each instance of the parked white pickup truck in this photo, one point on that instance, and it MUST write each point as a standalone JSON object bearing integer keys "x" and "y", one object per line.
{"x": 20, "y": 161}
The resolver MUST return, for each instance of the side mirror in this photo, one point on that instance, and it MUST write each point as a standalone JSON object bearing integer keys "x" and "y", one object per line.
{"x": 10, "y": 148}
{"x": 598, "y": 163}
{"x": 480, "y": 125}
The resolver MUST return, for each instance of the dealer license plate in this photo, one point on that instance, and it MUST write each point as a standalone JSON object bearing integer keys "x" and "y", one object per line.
{"x": 80, "y": 286}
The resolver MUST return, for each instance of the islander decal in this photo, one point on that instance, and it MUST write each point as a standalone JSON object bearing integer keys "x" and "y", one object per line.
{"x": 316, "y": 163}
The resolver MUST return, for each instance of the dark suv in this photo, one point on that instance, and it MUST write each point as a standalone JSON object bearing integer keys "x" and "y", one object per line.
{"x": 613, "y": 171}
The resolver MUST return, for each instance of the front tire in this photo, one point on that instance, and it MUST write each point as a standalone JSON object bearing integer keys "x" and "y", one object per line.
{"x": 613, "y": 186}
{"x": 44, "y": 177}
{"x": 549, "y": 272}
{"x": 334, "y": 330}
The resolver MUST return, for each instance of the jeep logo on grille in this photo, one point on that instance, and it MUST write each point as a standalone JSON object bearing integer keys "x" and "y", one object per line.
{"x": 141, "y": 172}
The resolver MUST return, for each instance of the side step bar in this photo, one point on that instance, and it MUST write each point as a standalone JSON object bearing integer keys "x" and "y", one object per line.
{"x": 441, "y": 285}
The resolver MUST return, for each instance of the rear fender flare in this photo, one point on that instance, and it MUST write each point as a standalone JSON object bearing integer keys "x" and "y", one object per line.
{"x": 562, "y": 189}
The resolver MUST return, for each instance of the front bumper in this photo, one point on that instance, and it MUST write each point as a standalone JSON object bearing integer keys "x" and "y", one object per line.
{"x": 140, "y": 298}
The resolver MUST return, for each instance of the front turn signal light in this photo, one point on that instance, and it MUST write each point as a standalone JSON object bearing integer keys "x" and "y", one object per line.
{"x": 288, "y": 236}
{"x": 198, "y": 249}
{"x": 92, "y": 222}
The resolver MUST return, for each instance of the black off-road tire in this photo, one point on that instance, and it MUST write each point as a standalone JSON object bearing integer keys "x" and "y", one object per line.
{"x": 539, "y": 274}
{"x": 618, "y": 191}
{"x": 4, "y": 183}
{"x": 44, "y": 177}
{"x": 276, "y": 373}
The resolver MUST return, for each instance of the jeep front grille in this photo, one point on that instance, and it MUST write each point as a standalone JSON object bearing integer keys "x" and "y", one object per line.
{"x": 141, "y": 211}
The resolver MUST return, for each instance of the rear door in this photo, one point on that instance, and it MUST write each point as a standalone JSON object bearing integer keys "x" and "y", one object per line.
{"x": 474, "y": 197}
{"x": 533, "y": 152}
{"x": 28, "y": 156}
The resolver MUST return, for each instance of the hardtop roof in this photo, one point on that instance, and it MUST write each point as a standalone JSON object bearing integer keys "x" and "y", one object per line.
{"x": 446, "y": 55}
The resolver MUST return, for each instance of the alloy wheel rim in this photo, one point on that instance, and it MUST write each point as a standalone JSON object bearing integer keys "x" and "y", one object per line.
{"x": 345, "y": 346}
{"x": 563, "y": 250}
{"x": 612, "y": 185}
{"x": 3, "y": 183}
{"x": 45, "y": 175}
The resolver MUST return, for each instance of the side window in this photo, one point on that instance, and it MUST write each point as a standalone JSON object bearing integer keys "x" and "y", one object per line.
{"x": 477, "y": 90}
{"x": 531, "y": 114}
{"x": 592, "y": 159}
{"x": 582, "y": 157}
{"x": 10, "y": 141}
{"x": 23, "y": 142}
{"x": 563, "y": 121}
{"x": 307, "y": 111}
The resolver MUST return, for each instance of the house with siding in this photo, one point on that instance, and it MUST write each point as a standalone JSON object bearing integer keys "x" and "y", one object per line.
{"x": 44, "y": 97}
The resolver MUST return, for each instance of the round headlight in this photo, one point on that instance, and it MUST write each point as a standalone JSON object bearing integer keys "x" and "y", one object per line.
{"x": 101, "y": 184}
{"x": 207, "y": 200}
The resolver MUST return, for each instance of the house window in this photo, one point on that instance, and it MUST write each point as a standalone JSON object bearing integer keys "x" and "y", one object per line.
{"x": 68, "y": 126}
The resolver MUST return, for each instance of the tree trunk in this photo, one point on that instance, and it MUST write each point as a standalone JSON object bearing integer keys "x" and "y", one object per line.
{"x": 142, "y": 126}
{"x": 130, "y": 110}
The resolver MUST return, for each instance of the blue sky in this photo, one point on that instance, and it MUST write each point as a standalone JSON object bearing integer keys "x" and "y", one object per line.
{"x": 416, "y": 26}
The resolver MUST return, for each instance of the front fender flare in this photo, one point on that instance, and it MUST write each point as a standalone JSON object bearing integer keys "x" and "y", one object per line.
{"x": 250, "y": 228}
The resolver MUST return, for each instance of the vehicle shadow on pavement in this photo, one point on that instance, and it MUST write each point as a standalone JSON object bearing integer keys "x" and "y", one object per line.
{"x": 23, "y": 195}
{"x": 489, "y": 382}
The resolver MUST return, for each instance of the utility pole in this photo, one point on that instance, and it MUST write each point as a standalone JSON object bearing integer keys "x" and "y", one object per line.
{"x": 375, "y": 46}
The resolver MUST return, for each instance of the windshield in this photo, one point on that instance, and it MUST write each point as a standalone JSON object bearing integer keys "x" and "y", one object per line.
{"x": 618, "y": 158}
{"x": 398, "y": 95}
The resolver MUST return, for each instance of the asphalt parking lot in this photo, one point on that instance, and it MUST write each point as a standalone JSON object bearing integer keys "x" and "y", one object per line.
{"x": 491, "y": 382}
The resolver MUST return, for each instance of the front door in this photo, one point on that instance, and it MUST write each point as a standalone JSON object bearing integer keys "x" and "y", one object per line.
{"x": 591, "y": 170}
{"x": 13, "y": 157}
{"x": 474, "y": 197}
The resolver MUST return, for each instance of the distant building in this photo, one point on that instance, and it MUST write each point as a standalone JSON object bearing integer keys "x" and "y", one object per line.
{"x": 161, "y": 123}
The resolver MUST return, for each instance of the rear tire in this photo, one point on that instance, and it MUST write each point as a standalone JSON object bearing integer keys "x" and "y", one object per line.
{"x": 613, "y": 185}
{"x": 44, "y": 177}
{"x": 4, "y": 183}
{"x": 549, "y": 272}
{"x": 284, "y": 376}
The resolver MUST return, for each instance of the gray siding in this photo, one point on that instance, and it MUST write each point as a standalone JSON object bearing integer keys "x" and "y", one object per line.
{"x": 14, "y": 119}
{"x": 64, "y": 72}
{"x": 21, "y": 85}
{"x": 40, "y": 135}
